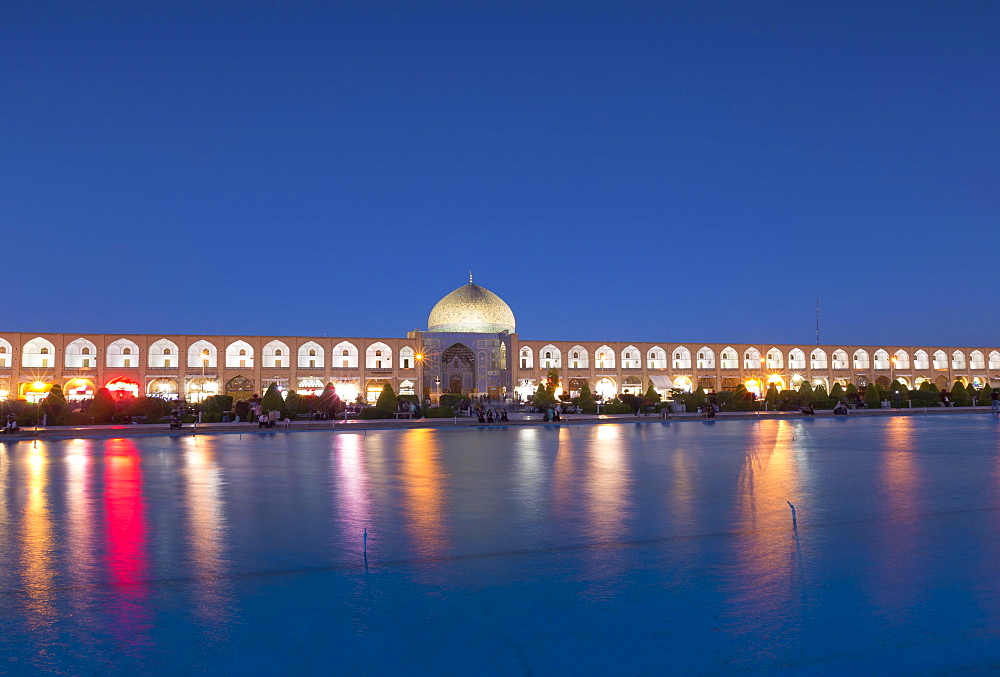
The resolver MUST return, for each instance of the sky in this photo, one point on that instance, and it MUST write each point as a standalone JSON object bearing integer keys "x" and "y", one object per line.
{"x": 614, "y": 171}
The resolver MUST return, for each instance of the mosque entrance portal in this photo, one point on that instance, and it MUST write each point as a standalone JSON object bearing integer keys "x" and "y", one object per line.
{"x": 458, "y": 369}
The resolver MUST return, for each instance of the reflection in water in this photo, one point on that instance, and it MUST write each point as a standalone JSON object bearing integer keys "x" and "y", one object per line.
{"x": 207, "y": 529}
{"x": 898, "y": 507}
{"x": 606, "y": 483}
{"x": 127, "y": 559}
{"x": 351, "y": 480}
{"x": 423, "y": 495}
{"x": 83, "y": 565}
{"x": 37, "y": 566}
{"x": 766, "y": 573}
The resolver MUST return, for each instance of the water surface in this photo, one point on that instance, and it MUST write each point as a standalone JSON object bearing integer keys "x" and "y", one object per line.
{"x": 604, "y": 549}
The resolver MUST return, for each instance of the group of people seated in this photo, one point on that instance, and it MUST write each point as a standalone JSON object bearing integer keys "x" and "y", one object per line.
{"x": 840, "y": 409}
{"x": 11, "y": 426}
{"x": 490, "y": 416}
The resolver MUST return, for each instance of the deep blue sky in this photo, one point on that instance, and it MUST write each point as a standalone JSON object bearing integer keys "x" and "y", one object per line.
{"x": 696, "y": 172}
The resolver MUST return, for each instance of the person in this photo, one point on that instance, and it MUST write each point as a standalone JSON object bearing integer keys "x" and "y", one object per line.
{"x": 489, "y": 416}
{"x": 272, "y": 418}
{"x": 807, "y": 409}
{"x": 11, "y": 424}
{"x": 287, "y": 422}
{"x": 503, "y": 415}
{"x": 262, "y": 421}
{"x": 995, "y": 401}
{"x": 840, "y": 409}
{"x": 945, "y": 401}
{"x": 175, "y": 422}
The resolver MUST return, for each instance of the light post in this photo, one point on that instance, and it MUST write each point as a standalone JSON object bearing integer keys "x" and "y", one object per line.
{"x": 892, "y": 379}
{"x": 763, "y": 382}
{"x": 419, "y": 357}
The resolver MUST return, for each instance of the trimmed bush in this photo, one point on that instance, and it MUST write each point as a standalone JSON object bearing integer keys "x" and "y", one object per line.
{"x": 873, "y": 397}
{"x": 272, "y": 399}
{"x": 372, "y": 413}
{"x": 439, "y": 412}
{"x": 454, "y": 401}
{"x": 586, "y": 400}
{"x": 54, "y": 406}
{"x": 960, "y": 396}
{"x": 984, "y": 399}
{"x": 386, "y": 401}
{"x": 102, "y": 408}
{"x": 837, "y": 392}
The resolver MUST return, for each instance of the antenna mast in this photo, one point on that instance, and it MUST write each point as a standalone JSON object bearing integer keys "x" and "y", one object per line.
{"x": 817, "y": 320}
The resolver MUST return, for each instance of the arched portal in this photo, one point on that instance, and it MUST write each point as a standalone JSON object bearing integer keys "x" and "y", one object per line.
{"x": 123, "y": 387}
{"x": 458, "y": 369}
{"x": 606, "y": 388}
{"x": 239, "y": 388}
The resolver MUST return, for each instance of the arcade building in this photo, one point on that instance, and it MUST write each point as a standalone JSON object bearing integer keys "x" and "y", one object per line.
{"x": 470, "y": 347}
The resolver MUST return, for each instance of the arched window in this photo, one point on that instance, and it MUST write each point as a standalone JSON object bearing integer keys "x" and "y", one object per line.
{"x": 581, "y": 358}
{"x": 310, "y": 355}
{"x": 775, "y": 360}
{"x": 881, "y": 360}
{"x": 273, "y": 355}
{"x": 840, "y": 360}
{"x": 378, "y": 356}
{"x": 902, "y": 359}
{"x": 958, "y": 360}
{"x": 79, "y": 354}
{"x": 656, "y": 357}
{"x": 796, "y": 359}
{"x": 160, "y": 353}
{"x": 728, "y": 359}
{"x": 119, "y": 354}
{"x": 861, "y": 359}
{"x": 751, "y": 359}
{"x": 604, "y": 358}
{"x": 920, "y": 360}
{"x": 940, "y": 360}
{"x": 976, "y": 360}
{"x": 36, "y": 353}
{"x": 706, "y": 358}
{"x": 630, "y": 358}
{"x": 239, "y": 355}
{"x": 682, "y": 358}
{"x": 817, "y": 359}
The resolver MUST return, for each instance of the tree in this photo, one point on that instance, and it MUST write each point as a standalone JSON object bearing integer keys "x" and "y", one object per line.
{"x": 325, "y": 402}
{"x": 806, "y": 394}
{"x": 386, "y": 401}
{"x": 837, "y": 392}
{"x": 295, "y": 403}
{"x": 55, "y": 407}
{"x": 272, "y": 400}
{"x": 819, "y": 393}
{"x": 102, "y": 409}
{"x": 651, "y": 394}
{"x": 897, "y": 387}
{"x": 984, "y": 399}
{"x": 851, "y": 393}
{"x": 586, "y": 402}
{"x": 960, "y": 396}
{"x": 873, "y": 397}
{"x": 771, "y": 397}
{"x": 543, "y": 396}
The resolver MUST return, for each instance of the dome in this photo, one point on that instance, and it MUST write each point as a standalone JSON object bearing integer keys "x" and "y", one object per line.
{"x": 471, "y": 309}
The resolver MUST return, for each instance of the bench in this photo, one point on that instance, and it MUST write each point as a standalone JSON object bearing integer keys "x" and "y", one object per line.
{"x": 403, "y": 414}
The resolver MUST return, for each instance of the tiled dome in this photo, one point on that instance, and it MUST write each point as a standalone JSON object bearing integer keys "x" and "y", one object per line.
{"x": 471, "y": 308}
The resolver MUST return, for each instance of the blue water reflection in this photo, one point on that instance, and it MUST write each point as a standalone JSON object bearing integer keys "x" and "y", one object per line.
{"x": 607, "y": 549}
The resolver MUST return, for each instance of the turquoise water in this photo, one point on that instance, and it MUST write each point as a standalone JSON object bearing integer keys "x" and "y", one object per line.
{"x": 646, "y": 548}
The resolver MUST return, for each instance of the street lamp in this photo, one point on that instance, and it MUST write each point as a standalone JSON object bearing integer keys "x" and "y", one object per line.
{"x": 419, "y": 357}
{"x": 892, "y": 379}
{"x": 763, "y": 381}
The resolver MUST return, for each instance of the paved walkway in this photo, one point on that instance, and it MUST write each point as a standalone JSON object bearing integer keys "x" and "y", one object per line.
{"x": 137, "y": 430}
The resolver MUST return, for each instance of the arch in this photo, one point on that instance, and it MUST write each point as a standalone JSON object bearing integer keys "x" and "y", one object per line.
{"x": 796, "y": 359}
{"x": 902, "y": 359}
{"x": 550, "y": 357}
{"x": 753, "y": 386}
{"x": 751, "y": 359}
{"x": 861, "y": 359}
{"x": 881, "y": 360}
{"x": 958, "y": 360}
{"x": 904, "y": 381}
{"x": 579, "y": 358}
{"x": 77, "y": 389}
{"x": 940, "y": 361}
{"x": 6, "y": 354}
{"x": 406, "y": 387}
{"x": 681, "y": 358}
{"x": 310, "y": 386}
{"x": 122, "y": 354}
{"x": 374, "y": 388}
{"x": 165, "y": 388}
{"x": 197, "y": 389}
{"x": 994, "y": 362}
{"x": 656, "y": 357}
{"x": 706, "y": 358}
{"x": 776, "y": 381}
{"x": 239, "y": 355}
{"x": 729, "y": 359}
{"x": 920, "y": 360}
{"x": 839, "y": 359}
{"x": 407, "y": 359}
{"x": 882, "y": 382}
{"x": 775, "y": 360}
{"x": 34, "y": 391}
{"x": 920, "y": 380}
{"x": 631, "y": 358}
{"x": 526, "y": 357}
{"x": 123, "y": 387}
{"x": 275, "y": 355}
{"x": 239, "y": 388}
{"x": 81, "y": 354}
{"x": 942, "y": 382}
{"x": 817, "y": 359}
{"x": 202, "y": 355}
{"x": 378, "y": 356}
{"x": 683, "y": 383}
{"x": 632, "y": 385}
{"x": 38, "y": 353}
{"x": 821, "y": 381}
{"x": 606, "y": 388}
{"x": 976, "y": 360}
{"x": 604, "y": 358}
{"x": 163, "y": 354}
{"x": 310, "y": 355}
{"x": 344, "y": 354}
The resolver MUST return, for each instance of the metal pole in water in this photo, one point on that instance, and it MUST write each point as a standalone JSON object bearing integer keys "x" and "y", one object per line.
{"x": 795, "y": 525}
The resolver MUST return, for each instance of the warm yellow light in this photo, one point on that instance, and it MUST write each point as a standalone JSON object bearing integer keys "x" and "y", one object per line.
{"x": 420, "y": 356}
{"x": 893, "y": 359}
{"x": 38, "y": 385}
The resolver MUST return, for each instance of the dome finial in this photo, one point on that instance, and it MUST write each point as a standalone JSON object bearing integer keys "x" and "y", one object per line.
{"x": 470, "y": 277}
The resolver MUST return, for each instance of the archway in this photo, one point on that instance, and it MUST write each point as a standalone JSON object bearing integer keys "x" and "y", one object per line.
{"x": 632, "y": 386}
{"x": 123, "y": 387}
{"x": 776, "y": 381}
{"x": 200, "y": 388}
{"x": 373, "y": 388}
{"x": 239, "y": 388}
{"x": 77, "y": 389}
{"x": 576, "y": 386}
{"x": 606, "y": 388}
{"x": 165, "y": 388}
{"x": 458, "y": 369}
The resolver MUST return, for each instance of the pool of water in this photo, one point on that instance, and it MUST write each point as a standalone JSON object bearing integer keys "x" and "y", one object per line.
{"x": 652, "y": 548}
